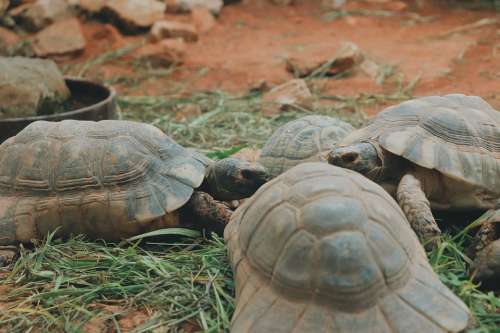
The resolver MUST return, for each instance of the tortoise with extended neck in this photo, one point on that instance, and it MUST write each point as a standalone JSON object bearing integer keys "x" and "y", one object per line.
{"x": 111, "y": 180}
{"x": 432, "y": 152}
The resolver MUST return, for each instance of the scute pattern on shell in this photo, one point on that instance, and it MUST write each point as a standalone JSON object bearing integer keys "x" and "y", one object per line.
{"x": 321, "y": 248}
{"x": 76, "y": 174}
{"x": 300, "y": 141}
{"x": 455, "y": 134}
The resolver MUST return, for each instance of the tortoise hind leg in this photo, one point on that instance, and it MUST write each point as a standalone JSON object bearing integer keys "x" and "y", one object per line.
{"x": 486, "y": 249}
{"x": 17, "y": 222}
{"x": 488, "y": 232}
{"x": 414, "y": 203}
{"x": 17, "y": 225}
{"x": 486, "y": 266}
{"x": 206, "y": 213}
{"x": 7, "y": 254}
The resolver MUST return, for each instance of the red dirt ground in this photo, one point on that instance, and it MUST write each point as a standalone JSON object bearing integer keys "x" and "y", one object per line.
{"x": 250, "y": 43}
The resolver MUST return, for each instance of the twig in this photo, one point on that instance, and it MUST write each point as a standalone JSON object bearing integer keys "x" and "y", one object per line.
{"x": 471, "y": 26}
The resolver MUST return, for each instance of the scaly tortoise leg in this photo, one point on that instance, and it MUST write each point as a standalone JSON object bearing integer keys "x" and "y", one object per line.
{"x": 207, "y": 213}
{"x": 488, "y": 232}
{"x": 486, "y": 266}
{"x": 414, "y": 203}
{"x": 486, "y": 249}
{"x": 7, "y": 254}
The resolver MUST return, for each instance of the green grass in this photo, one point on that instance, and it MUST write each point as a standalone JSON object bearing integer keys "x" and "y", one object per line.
{"x": 184, "y": 283}
{"x": 62, "y": 285}
{"x": 228, "y": 121}
{"x": 451, "y": 265}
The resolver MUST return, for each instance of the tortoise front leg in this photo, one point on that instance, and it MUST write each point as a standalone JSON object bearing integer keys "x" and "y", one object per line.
{"x": 414, "y": 203}
{"x": 207, "y": 213}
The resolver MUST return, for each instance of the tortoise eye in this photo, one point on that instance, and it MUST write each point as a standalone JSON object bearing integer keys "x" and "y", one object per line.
{"x": 350, "y": 157}
{"x": 247, "y": 174}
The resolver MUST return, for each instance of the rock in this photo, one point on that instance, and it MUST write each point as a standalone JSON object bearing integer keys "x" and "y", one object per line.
{"x": 91, "y": 6}
{"x": 396, "y": 6}
{"x": 259, "y": 86}
{"x": 170, "y": 29}
{"x": 203, "y": 19}
{"x": 348, "y": 56}
{"x": 302, "y": 67}
{"x": 4, "y": 4}
{"x": 30, "y": 87}
{"x": 134, "y": 15}
{"x": 108, "y": 34}
{"x": 332, "y": 4}
{"x": 162, "y": 54}
{"x": 282, "y": 97}
{"x": 37, "y": 15}
{"x": 60, "y": 39}
{"x": 7, "y": 40}
{"x": 186, "y": 6}
{"x": 370, "y": 68}
{"x": 282, "y": 2}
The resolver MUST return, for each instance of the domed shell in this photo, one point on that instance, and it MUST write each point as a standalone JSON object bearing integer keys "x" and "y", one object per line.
{"x": 301, "y": 140}
{"x": 322, "y": 249}
{"x": 94, "y": 171}
{"x": 455, "y": 134}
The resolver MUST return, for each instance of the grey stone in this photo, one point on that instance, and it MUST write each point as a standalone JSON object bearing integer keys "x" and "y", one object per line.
{"x": 34, "y": 16}
{"x": 30, "y": 87}
{"x": 62, "y": 38}
{"x": 185, "y": 6}
{"x": 4, "y": 4}
{"x": 134, "y": 15}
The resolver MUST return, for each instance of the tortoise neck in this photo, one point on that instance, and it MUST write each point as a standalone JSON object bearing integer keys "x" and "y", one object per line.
{"x": 389, "y": 165}
{"x": 210, "y": 184}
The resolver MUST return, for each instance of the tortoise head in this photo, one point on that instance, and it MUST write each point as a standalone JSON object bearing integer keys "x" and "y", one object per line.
{"x": 365, "y": 158}
{"x": 233, "y": 178}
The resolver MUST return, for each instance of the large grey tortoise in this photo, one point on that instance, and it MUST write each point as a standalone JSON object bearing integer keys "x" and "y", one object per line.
{"x": 302, "y": 140}
{"x": 110, "y": 180}
{"x": 324, "y": 249}
{"x": 442, "y": 149}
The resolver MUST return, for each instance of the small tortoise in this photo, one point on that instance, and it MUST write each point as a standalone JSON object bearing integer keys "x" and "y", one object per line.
{"x": 302, "y": 140}
{"x": 111, "y": 180}
{"x": 324, "y": 249}
{"x": 443, "y": 149}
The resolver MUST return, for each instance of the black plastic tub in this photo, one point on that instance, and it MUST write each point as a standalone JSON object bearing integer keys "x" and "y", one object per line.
{"x": 94, "y": 102}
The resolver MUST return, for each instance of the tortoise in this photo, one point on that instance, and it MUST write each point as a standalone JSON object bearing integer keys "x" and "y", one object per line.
{"x": 112, "y": 179}
{"x": 442, "y": 149}
{"x": 302, "y": 140}
{"x": 323, "y": 249}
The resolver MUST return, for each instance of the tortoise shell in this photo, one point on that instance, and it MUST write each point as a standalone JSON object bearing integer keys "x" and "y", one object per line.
{"x": 80, "y": 174}
{"x": 324, "y": 249}
{"x": 457, "y": 135}
{"x": 301, "y": 140}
